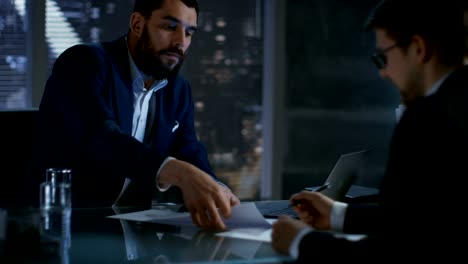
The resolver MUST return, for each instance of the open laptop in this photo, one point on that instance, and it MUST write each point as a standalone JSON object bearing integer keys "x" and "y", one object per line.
{"x": 340, "y": 179}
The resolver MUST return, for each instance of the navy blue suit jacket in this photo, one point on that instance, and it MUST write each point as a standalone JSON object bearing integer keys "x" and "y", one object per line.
{"x": 85, "y": 123}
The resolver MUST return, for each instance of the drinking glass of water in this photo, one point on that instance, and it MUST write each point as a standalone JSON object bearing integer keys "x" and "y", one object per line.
{"x": 55, "y": 206}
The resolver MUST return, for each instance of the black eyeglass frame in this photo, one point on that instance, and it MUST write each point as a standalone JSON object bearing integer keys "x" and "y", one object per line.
{"x": 380, "y": 59}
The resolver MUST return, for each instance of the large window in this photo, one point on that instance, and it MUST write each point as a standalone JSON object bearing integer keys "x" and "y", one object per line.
{"x": 13, "y": 60}
{"x": 224, "y": 67}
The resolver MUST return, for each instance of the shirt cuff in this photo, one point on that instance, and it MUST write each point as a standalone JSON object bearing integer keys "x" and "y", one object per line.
{"x": 337, "y": 216}
{"x": 163, "y": 187}
{"x": 294, "y": 247}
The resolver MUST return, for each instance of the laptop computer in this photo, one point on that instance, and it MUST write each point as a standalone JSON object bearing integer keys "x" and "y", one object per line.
{"x": 339, "y": 181}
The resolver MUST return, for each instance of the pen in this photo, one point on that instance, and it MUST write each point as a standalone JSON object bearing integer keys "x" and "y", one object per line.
{"x": 319, "y": 189}
{"x": 323, "y": 187}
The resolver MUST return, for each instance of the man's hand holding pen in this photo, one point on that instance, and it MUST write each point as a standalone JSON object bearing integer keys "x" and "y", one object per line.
{"x": 313, "y": 207}
{"x": 295, "y": 202}
{"x": 314, "y": 211}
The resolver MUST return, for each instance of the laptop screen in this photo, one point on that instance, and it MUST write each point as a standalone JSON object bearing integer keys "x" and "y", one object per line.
{"x": 344, "y": 174}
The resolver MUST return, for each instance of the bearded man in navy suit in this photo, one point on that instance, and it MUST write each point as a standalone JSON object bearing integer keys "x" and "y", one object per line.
{"x": 119, "y": 115}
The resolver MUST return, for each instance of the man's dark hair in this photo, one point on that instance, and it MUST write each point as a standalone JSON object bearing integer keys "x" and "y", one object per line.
{"x": 146, "y": 7}
{"x": 439, "y": 23}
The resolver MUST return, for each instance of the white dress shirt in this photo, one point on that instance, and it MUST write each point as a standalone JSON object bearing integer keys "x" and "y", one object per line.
{"x": 141, "y": 98}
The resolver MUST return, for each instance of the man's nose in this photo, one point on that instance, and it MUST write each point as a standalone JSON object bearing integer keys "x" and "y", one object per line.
{"x": 179, "y": 39}
{"x": 383, "y": 73}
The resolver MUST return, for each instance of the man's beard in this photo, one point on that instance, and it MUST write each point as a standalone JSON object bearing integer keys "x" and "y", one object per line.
{"x": 149, "y": 60}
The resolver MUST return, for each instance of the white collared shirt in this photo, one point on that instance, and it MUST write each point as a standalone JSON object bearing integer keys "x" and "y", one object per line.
{"x": 141, "y": 98}
{"x": 434, "y": 88}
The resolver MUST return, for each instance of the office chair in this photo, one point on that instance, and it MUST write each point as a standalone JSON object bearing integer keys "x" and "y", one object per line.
{"x": 19, "y": 186}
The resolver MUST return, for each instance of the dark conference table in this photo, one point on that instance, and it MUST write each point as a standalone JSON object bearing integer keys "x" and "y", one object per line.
{"x": 97, "y": 239}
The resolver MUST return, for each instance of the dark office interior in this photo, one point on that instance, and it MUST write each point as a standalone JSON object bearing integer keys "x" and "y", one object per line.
{"x": 282, "y": 88}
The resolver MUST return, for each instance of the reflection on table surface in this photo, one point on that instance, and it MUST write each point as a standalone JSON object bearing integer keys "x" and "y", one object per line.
{"x": 93, "y": 238}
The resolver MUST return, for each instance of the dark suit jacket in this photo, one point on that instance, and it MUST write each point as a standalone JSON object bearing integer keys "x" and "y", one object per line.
{"x": 85, "y": 123}
{"x": 420, "y": 214}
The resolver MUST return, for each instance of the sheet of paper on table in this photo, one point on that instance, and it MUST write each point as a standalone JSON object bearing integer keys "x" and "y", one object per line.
{"x": 245, "y": 215}
{"x": 246, "y": 222}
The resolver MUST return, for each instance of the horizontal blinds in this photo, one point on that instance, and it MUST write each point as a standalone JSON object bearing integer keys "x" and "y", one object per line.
{"x": 13, "y": 60}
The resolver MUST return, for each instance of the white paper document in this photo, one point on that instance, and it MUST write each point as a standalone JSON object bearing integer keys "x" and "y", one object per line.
{"x": 245, "y": 215}
{"x": 251, "y": 233}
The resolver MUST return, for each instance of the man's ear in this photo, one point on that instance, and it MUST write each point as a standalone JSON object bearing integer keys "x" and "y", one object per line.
{"x": 137, "y": 22}
{"x": 422, "y": 50}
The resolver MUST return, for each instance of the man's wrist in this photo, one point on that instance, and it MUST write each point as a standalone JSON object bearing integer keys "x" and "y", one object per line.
{"x": 162, "y": 187}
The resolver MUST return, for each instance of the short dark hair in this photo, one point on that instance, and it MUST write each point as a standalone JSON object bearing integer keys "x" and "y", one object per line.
{"x": 146, "y": 7}
{"x": 440, "y": 23}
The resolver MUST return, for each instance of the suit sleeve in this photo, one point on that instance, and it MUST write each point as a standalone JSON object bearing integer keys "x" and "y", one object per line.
{"x": 323, "y": 247}
{"x": 362, "y": 219}
{"x": 187, "y": 146}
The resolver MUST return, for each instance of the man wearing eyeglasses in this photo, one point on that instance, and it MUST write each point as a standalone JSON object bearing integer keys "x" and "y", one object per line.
{"x": 420, "y": 46}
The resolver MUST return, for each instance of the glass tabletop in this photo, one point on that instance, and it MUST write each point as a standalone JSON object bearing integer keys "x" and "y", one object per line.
{"x": 90, "y": 237}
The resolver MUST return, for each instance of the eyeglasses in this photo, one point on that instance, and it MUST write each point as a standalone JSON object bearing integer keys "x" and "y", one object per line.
{"x": 380, "y": 59}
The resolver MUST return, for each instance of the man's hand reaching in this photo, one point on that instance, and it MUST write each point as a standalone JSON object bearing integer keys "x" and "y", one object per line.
{"x": 206, "y": 200}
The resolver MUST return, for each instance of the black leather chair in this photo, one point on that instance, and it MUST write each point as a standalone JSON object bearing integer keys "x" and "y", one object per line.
{"x": 19, "y": 184}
